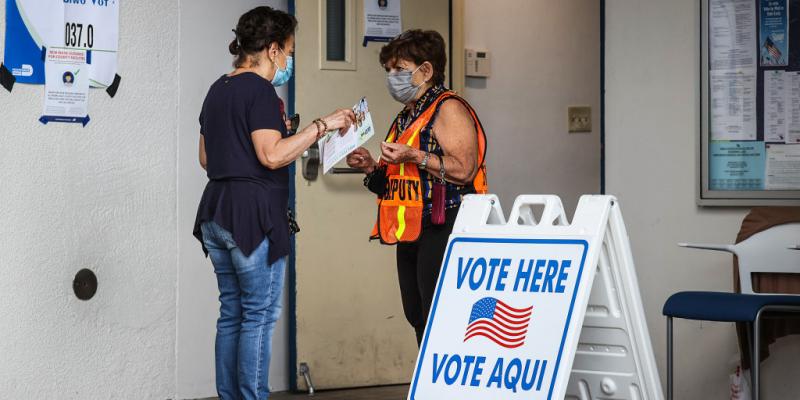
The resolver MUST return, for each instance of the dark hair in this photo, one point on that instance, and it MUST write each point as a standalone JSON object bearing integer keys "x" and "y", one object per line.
{"x": 418, "y": 46}
{"x": 257, "y": 29}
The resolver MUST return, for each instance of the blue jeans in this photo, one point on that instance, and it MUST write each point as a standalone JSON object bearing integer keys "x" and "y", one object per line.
{"x": 250, "y": 304}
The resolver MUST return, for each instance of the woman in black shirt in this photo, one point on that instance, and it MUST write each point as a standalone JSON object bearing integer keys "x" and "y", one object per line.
{"x": 242, "y": 219}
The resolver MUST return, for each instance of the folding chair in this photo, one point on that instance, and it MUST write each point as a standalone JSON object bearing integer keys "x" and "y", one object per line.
{"x": 772, "y": 250}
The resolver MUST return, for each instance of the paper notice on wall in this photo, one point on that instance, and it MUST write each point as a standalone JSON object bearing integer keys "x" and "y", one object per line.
{"x": 732, "y": 34}
{"x": 382, "y": 20}
{"x": 775, "y": 89}
{"x": 733, "y": 104}
{"x": 774, "y": 35}
{"x": 793, "y": 107}
{"x": 66, "y": 89}
{"x": 783, "y": 167}
{"x": 94, "y": 26}
{"x": 736, "y": 166}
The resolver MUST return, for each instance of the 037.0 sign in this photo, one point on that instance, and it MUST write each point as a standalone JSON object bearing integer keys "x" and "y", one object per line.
{"x": 73, "y": 35}
{"x": 94, "y": 25}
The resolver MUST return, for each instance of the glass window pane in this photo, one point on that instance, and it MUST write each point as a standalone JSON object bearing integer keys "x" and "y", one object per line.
{"x": 335, "y": 35}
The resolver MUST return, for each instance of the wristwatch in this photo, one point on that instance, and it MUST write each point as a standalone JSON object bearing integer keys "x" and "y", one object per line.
{"x": 424, "y": 163}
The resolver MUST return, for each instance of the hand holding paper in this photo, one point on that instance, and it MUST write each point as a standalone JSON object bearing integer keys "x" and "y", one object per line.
{"x": 336, "y": 147}
{"x": 340, "y": 120}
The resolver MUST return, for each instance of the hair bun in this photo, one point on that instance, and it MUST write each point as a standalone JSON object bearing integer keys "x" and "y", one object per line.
{"x": 234, "y": 47}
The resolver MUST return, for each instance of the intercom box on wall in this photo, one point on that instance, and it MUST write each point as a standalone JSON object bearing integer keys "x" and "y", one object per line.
{"x": 478, "y": 63}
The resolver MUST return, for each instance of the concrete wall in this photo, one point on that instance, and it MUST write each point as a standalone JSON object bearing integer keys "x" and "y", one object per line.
{"x": 204, "y": 58}
{"x": 546, "y": 57}
{"x": 105, "y": 197}
{"x": 101, "y": 197}
{"x": 652, "y": 131}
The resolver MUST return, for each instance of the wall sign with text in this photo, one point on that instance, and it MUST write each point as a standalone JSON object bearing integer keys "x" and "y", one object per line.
{"x": 32, "y": 26}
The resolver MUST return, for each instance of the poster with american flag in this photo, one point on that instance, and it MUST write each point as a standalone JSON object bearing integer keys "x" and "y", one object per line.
{"x": 773, "y": 35}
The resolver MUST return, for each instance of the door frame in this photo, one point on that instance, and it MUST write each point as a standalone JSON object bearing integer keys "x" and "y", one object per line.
{"x": 456, "y": 77}
{"x": 291, "y": 265}
{"x": 456, "y": 41}
{"x": 456, "y": 65}
{"x": 602, "y": 96}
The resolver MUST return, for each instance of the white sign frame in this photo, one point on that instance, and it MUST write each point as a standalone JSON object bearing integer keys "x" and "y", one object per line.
{"x": 598, "y": 224}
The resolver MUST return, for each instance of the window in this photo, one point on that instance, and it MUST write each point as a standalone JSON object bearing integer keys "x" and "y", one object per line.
{"x": 335, "y": 30}
{"x": 337, "y": 34}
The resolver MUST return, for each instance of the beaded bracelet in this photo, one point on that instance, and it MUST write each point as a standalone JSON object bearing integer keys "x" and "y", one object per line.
{"x": 320, "y": 131}
{"x": 424, "y": 163}
{"x": 442, "y": 171}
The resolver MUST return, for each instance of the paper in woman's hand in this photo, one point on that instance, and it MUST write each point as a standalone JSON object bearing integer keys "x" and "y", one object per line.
{"x": 335, "y": 147}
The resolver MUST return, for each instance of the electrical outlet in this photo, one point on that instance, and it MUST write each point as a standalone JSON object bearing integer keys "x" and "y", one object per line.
{"x": 579, "y": 119}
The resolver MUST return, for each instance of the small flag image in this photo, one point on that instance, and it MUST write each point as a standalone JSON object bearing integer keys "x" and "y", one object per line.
{"x": 497, "y": 321}
{"x": 773, "y": 51}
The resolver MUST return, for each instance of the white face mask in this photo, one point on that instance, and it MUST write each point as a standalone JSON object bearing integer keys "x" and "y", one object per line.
{"x": 400, "y": 86}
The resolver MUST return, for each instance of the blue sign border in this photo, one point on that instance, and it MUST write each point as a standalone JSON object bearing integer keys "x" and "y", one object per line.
{"x": 500, "y": 240}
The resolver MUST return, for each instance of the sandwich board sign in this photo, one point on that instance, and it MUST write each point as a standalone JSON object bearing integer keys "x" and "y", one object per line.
{"x": 536, "y": 307}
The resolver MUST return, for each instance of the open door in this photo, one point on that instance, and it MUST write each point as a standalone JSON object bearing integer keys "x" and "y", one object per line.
{"x": 350, "y": 327}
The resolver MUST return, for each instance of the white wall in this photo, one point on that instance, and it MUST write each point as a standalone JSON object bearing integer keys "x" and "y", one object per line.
{"x": 114, "y": 197}
{"x": 205, "y": 34}
{"x": 101, "y": 197}
{"x": 545, "y": 57}
{"x": 652, "y": 130}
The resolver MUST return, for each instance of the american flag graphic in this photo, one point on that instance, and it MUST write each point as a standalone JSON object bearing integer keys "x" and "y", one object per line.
{"x": 498, "y": 322}
{"x": 772, "y": 49}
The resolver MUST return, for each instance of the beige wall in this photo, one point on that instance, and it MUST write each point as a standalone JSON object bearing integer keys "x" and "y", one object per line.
{"x": 546, "y": 56}
{"x": 652, "y": 128}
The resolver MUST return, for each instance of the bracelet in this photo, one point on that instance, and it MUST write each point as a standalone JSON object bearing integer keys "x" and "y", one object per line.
{"x": 442, "y": 172}
{"x": 322, "y": 127}
{"x": 424, "y": 163}
{"x": 319, "y": 127}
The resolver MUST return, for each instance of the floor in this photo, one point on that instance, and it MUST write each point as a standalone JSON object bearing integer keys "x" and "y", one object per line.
{"x": 382, "y": 393}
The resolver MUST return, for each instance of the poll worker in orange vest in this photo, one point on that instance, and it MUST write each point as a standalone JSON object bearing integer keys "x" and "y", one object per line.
{"x": 432, "y": 157}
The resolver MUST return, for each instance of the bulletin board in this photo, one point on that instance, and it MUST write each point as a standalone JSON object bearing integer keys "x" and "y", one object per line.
{"x": 750, "y": 103}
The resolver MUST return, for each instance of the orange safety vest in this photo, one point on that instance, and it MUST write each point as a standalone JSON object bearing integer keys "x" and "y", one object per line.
{"x": 400, "y": 208}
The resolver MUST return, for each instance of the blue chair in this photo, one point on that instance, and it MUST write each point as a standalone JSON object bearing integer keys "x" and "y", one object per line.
{"x": 772, "y": 250}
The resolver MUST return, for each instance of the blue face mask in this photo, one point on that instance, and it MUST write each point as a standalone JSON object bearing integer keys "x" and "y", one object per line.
{"x": 282, "y": 76}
